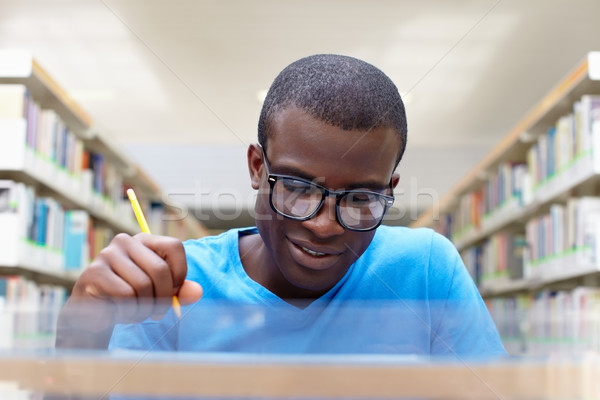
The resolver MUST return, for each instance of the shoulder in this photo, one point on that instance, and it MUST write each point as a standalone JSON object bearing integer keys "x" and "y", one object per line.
{"x": 227, "y": 240}
{"x": 420, "y": 250}
{"x": 386, "y": 232}
{"x": 416, "y": 262}
{"x": 194, "y": 245}
{"x": 413, "y": 249}
{"x": 412, "y": 240}
{"x": 213, "y": 254}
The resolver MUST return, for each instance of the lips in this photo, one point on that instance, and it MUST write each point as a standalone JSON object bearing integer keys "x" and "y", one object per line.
{"x": 314, "y": 249}
{"x": 313, "y": 256}
{"x": 313, "y": 253}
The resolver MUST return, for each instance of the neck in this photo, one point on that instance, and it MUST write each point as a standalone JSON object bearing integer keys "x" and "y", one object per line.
{"x": 261, "y": 268}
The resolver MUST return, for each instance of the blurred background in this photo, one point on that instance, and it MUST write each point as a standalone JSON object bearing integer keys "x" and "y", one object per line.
{"x": 179, "y": 84}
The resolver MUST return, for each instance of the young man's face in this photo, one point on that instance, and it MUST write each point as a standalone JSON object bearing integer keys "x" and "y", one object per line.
{"x": 313, "y": 255}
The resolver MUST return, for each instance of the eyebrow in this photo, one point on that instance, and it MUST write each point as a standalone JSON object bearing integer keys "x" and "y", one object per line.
{"x": 294, "y": 172}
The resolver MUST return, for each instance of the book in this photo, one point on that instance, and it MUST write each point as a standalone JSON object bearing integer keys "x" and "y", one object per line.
{"x": 7, "y": 196}
{"x": 588, "y": 105}
{"x": 551, "y": 321}
{"x": 41, "y": 221}
{"x": 76, "y": 239}
{"x": 13, "y": 101}
{"x": 32, "y": 312}
{"x": 566, "y": 228}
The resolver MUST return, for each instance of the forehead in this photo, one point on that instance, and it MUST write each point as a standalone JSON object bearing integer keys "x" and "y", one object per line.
{"x": 298, "y": 140}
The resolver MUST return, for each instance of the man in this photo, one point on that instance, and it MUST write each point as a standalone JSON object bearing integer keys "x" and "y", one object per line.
{"x": 318, "y": 273}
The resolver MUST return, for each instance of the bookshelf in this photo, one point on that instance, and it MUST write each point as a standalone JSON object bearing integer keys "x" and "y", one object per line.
{"x": 526, "y": 218}
{"x": 62, "y": 185}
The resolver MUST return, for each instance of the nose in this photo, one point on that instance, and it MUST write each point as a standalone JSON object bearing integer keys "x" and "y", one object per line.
{"x": 325, "y": 224}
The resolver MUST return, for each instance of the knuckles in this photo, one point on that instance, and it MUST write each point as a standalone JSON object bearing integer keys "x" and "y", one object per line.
{"x": 106, "y": 253}
{"x": 117, "y": 245}
{"x": 94, "y": 271}
{"x": 100, "y": 272}
{"x": 169, "y": 245}
{"x": 173, "y": 244}
{"x": 121, "y": 239}
{"x": 143, "y": 286}
{"x": 159, "y": 265}
{"x": 125, "y": 292}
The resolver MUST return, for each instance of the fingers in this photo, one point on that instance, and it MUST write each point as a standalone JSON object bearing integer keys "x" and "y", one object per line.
{"x": 171, "y": 251}
{"x": 133, "y": 278}
{"x": 152, "y": 277}
{"x": 140, "y": 274}
{"x": 190, "y": 292}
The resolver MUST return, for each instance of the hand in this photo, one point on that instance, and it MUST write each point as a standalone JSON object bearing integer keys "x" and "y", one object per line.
{"x": 133, "y": 278}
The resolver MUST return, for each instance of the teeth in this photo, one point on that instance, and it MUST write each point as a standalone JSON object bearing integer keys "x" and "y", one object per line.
{"x": 312, "y": 253}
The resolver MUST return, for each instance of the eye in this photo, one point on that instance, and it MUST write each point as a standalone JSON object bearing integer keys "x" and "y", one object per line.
{"x": 297, "y": 186}
{"x": 360, "y": 198}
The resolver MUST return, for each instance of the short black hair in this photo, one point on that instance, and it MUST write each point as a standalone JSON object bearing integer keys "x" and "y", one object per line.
{"x": 339, "y": 90}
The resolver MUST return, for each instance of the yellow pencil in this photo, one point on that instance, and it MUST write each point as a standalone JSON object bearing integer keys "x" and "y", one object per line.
{"x": 139, "y": 215}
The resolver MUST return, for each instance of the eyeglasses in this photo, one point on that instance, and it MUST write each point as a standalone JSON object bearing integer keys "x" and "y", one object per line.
{"x": 300, "y": 199}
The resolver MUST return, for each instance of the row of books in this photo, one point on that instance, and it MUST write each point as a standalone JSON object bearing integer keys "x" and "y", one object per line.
{"x": 28, "y": 312}
{"x": 507, "y": 182}
{"x": 38, "y": 231}
{"x": 571, "y": 138}
{"x": 549, "y": 321}
{"x": 565, "y": 228}
{"x": 500, "y": 258}
{"x": 559, "y": 244}
{"x": 49, "y": 138}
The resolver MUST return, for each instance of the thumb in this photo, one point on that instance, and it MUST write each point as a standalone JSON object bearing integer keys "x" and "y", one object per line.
{"x": 189, "y": 292}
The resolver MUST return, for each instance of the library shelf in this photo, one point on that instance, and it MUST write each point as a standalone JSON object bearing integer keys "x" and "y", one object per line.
{"x": 42, "y": 275}
{"x": 584, "y": 171}
{"x": 550, "y": 180}
{"x": 509, "y": 213}
{"x": 19, "y": 67}
{"x": 570, "y": 265}
{"x": 20, "y": 163}
{"x": 543, "y": 274}
{"x": 56, "y": 168}
{"x": 514, "y": 145}
{"x": 62, "y": 198}
{"x": 502, "y": 287}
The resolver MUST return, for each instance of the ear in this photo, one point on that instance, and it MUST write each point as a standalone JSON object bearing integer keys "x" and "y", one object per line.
{"x": 255, "y": 164}
{"x": 395, "y": 179}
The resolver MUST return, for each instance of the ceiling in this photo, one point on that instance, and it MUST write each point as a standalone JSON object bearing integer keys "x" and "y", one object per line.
{"x": 178, "y": 83}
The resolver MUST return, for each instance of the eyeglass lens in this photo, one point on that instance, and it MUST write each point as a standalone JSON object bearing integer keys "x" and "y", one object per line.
{"x": 361, "y": 210}
{"x": 298, "y": 199}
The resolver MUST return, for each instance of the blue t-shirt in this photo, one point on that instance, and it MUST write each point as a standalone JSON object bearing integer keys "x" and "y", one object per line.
{"x": 409, "y": 293}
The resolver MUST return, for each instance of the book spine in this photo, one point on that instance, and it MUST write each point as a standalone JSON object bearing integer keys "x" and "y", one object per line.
{"x": 549, "y": 322}
{"x": 32, "y": 311}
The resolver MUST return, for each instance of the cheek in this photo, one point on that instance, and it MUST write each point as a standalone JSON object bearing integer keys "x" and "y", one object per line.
{"x": 267, "y": 220}
{"x": 262, "y": 209}
{"x": 262, "y": 214}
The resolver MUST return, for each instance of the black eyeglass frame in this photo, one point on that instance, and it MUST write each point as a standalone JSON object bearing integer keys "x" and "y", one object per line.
{"x": 338, "y": 194}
